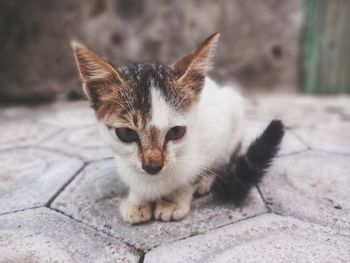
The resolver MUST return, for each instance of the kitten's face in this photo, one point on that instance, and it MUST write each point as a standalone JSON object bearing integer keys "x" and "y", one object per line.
{"x": 148, "y": 124}
{"x": 146, "y": 108}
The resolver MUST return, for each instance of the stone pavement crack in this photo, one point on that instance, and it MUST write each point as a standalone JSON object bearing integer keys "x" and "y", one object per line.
{"x": 139, "y": 251}
{"x": 294, "y": 153}
{"x": 50, "y": 136}
{"x": 215, "y": 228}
{"x": 16, "y": 148}
{"x": 99, "y": 160}
{"x": 263, "y": 198}
{"x": 62, "y": 188}
{"x": 20, "y": 210}
{"x": 339, "y": 232}
{"x": 296, "y": 135}
{"x": 330, "y": 152}
{"x": 55, "y": 150}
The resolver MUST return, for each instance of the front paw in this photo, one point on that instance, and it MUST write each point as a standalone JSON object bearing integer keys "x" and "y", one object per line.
{"x": 135, "y": 213}
{"x": 167, "y": 211}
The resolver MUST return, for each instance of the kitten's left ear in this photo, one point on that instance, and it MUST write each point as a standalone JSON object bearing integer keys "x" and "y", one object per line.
{"x": 100, "y": 78}
{"x": 191, "y": 70}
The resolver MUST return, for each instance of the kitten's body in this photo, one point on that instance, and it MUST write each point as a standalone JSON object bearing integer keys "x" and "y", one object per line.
{"x": 174, "y": 131}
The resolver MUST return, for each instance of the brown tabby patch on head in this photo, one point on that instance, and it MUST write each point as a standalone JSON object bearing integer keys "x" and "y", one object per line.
{"x": 123, "y": 94}
{"x": 133, "y": 100}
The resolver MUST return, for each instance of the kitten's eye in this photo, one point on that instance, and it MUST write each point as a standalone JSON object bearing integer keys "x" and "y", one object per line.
{"x": 175, "y": 133}
{"x": 127, "y": 135}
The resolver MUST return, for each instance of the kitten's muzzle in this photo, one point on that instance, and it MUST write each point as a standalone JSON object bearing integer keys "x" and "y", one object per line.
{"x": 152, "y": 166}
{"x": 152, "y": 160}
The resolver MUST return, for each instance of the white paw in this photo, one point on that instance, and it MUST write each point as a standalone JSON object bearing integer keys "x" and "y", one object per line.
{"x": 167, "y": 211}
{"x": 135, "y": 213}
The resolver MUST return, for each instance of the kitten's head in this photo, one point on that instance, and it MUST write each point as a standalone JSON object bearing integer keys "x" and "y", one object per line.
{"x": 146, "y": 107}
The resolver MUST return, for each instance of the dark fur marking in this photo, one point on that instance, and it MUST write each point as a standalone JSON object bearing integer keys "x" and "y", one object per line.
{"x": 143, "y": 76}
{"x": 235, "y": 183}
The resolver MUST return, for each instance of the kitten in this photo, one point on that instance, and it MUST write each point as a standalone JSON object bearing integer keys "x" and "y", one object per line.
{"x": 174, "y": 132}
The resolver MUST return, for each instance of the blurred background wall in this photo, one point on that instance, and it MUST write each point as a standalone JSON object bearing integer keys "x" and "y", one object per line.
{"x": 259, "y": 45}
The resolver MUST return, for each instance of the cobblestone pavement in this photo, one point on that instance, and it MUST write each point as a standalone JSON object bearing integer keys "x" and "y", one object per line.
{"x": 59, "y": 193}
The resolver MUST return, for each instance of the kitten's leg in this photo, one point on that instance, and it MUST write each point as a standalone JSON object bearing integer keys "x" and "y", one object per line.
{"x": 204, "y": 185}
{"x": 135, "y": 210}
{"x": 176, "y": 206}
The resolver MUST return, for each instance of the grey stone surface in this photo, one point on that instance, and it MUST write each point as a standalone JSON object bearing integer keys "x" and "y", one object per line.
{"x": 41, "y": 235}
{"x": 26, "y": 133}
{"x": 94, "y": 197}
{"x": 30, "y": 177}
{"x": 313, "y": 186}
{"x": 85, "y": 142}
{"x": 265, "y": 238}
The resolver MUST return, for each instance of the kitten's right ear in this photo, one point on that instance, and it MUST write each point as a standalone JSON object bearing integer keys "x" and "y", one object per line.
{"x": 192, "y": 69}
{"x": 98, "y": 76}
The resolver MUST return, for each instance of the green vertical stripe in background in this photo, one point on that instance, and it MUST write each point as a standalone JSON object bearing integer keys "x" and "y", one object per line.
{"x": 325, "y": 42}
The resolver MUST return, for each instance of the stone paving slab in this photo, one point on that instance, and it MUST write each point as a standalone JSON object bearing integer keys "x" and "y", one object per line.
{"x": 265, "y": 238}
{"x": 313, "y": 186}
{"x": 85, "y": 142}
{"x": 41, "y": 235}
{"x": 30, "y": 177}
{"x": 290, "y": 143}
{"x": 14, "y": 134}
{"x": 94, "y": 196}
